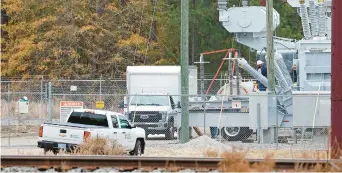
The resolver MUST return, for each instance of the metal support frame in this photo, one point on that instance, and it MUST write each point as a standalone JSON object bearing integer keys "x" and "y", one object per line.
{"x": 219, "y": 68}
{"x": 202, "y": 62}
{"x": 259, "y": 134}
{"x": 237, "y": 78}
{"x": 230, "y": 74}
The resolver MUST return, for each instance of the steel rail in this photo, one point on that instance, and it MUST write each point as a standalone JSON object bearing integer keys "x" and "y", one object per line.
{"x": 131, "y": 163}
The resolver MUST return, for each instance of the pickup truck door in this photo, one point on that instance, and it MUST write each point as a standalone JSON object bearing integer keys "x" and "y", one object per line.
{"x": 115, "y": 130}
{"x": 125, "y": 132}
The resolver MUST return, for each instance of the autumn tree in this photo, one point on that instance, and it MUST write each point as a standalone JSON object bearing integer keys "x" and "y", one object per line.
{"x": 89, "y": 38}
{"x": 76, "y": 39}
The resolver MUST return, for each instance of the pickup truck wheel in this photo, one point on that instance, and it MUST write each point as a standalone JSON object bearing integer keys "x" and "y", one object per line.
{"x": 236, "y": 133}
{"x": 45, "y": 151}
{"x": 170, "y": 132}
{"x": 55, "y": 151}
{"x": 138, "y": 148}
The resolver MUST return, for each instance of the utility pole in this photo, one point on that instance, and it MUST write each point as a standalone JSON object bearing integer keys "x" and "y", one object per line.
{"x": 184, "y": 43}
{"x": 270, "y": 52}
{"x": 272, "y": 103}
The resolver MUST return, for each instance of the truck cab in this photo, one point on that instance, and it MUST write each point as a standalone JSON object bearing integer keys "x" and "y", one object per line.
{"x": 154, "y": 112}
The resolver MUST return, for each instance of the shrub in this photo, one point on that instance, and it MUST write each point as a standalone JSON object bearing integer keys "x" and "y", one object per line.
{"x": 99, "y": 146}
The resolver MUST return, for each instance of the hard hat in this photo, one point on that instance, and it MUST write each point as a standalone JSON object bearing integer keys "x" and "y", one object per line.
{"x": 259, "y": 62}
{"x": 25, "y": 98}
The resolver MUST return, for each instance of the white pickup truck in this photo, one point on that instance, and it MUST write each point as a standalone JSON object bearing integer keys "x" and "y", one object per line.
{"x": 86, "y": 123}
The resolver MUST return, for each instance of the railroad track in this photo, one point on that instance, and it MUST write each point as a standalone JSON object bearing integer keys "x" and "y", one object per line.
{"x": 132, "y": 163}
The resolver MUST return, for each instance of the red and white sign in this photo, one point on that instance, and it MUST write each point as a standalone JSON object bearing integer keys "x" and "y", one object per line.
{"x": 71, "y": 104}
{"x": 66, "y": 107}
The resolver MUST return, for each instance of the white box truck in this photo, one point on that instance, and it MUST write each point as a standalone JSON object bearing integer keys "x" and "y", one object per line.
{"x": 159, "y": 79}
{"x": 152, "y": 95}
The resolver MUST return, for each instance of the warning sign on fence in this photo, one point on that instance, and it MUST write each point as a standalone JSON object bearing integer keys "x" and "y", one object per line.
{"x": 100, "y": 105}
{"x": 66, "y": 107}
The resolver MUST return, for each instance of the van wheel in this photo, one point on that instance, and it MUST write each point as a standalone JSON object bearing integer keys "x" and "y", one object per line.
{"x": 137, "y": 149}
{"x": 236, "y": 133}
{"x": 170, "y": 132}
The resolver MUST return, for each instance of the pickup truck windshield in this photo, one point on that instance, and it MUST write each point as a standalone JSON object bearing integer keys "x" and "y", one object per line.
{"x": 150, "y": 100}
{"x": 87, "y": 118}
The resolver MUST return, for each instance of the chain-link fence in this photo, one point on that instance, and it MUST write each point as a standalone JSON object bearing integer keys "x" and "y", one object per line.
{"x": 14, "y": 122}
{"x": 247, "y": 121}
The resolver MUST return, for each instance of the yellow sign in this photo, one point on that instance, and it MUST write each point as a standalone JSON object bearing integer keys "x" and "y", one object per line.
{"x": 100, "y": 105}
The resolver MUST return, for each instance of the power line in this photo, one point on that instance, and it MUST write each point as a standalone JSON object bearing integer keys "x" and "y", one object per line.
{"x": 141, "y": 19}
{"x": 154, "y": 2}
{"x": 164, "y": 45}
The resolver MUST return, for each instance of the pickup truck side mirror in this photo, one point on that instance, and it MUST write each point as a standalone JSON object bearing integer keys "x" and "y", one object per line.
{"x": 178, "y": 105}
{"x": 132, "y": 126}
{"x": 122, "y": 104}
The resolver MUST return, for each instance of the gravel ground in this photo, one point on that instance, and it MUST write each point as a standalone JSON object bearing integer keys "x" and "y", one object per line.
{"x": 197, "y": 147}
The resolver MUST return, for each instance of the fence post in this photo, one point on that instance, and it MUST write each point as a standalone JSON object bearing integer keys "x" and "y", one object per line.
{"x": 41, "y": 90}
{"x": 294, "y": 135}
{"x": 101, "y": 87}
{"x": 45, "y": 92}
{"x": 9, "y": 107}
{"x": 258, "y": 124}
{"x": 276, "y": 128}
{"x": 50, "y": 104}
{"x": 204, "y": 116}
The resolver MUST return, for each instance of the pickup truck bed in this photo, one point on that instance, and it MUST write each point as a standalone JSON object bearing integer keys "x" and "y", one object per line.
{"x": 71, "y": 133}
{"x": 64, "y": 136}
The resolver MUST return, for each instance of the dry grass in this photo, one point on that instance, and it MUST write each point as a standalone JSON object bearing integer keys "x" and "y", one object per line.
{"x": 235, "y": 161}
{"x": 19, "y": 130}
{"x": 99, "y": 146}
{"x": 211, "y": 153}
{"x": 288, "y": 153}
{"x": 36, "y": 110}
